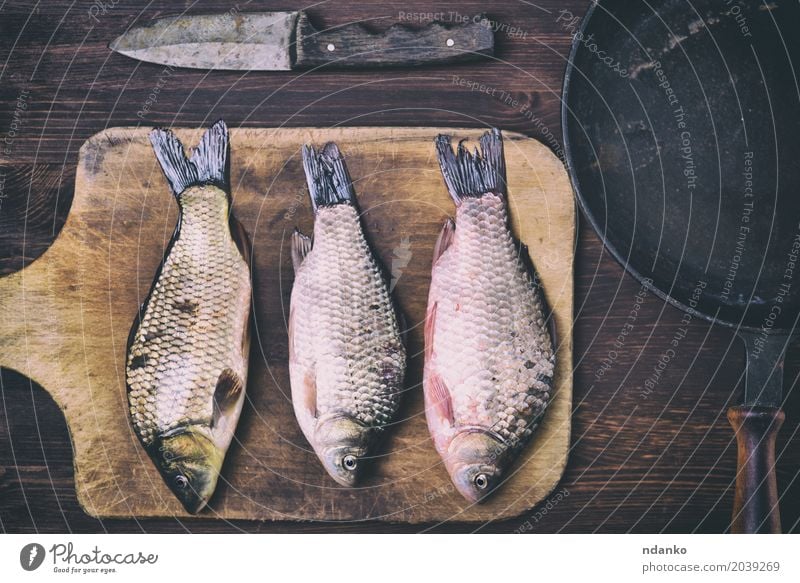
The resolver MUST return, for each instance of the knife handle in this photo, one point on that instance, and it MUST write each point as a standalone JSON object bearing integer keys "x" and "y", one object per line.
{"x": 354, "y": 46}
{"x": 755, "y": 506}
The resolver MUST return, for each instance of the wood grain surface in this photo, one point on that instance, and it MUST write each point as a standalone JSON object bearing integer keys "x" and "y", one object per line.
{"x": 657, "y": 461}
{"x": 64, "y": 321}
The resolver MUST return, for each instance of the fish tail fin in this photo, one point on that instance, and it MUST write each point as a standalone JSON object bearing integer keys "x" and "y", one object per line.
{"x": 473, "y": 174}
{"x": 208, "y": 164}
{"x": 329, "y": 182}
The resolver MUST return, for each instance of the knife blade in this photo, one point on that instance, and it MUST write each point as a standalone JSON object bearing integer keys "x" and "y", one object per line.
{"x": 283, "y": 41}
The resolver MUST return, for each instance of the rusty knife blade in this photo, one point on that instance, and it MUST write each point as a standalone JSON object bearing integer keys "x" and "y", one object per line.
{"x": 228, "y": 41}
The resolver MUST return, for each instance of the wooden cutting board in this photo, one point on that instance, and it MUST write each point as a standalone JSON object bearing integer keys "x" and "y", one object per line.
{"x": 64, "y": 321}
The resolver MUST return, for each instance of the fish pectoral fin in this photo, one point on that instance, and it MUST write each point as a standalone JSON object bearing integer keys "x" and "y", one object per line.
{"x": 301, "y": 246}
{"x": 440, "y": 398}
{"x": 226, "y": 394}
{"x": 445, "y": 239}
{"x": 309, "y": 394}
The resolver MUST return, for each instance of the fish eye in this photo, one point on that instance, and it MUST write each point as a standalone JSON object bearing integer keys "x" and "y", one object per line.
{"x": 181, "y": 481}
{"x": 481, "y": 481}
{"x": 350, "y": 462}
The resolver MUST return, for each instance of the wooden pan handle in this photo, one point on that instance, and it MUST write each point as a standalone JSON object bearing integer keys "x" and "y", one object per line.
{"x": 755, "y": 507}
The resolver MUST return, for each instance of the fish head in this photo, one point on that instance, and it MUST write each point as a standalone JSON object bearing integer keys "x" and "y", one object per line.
{"x": 475, "y": 461}
{"x": 342, "y": 444}
{"x": 190, "y": 464}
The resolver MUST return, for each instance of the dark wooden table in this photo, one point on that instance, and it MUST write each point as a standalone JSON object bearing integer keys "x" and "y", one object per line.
{"x": 643, "y": 460}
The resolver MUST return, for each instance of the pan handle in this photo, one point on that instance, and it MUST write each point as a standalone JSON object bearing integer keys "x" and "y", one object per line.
{"x": 756, "y": 423}
{"x": 755, "y": 506}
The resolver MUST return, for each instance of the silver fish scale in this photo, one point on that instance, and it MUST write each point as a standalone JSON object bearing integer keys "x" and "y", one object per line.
{"x": 193, "y": 324}
{"x": 345, "y": 328}
{"x": 491, "y": 344}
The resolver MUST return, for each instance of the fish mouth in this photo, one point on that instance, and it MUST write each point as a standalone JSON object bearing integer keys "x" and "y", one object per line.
{"x": 476, "y": 482}
{"x": 189, "y": 463}
{"x": 195, "y": 506}
{"x": 332, "y": 461}
{"x": 342, "y": 444}
{"x": 475, "y": 461}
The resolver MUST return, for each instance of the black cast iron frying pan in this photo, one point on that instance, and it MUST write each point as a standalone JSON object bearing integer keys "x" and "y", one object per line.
{"x": 682, "y": 136}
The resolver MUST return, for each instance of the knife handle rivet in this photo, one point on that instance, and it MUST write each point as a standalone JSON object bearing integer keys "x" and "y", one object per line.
{"x": 331, "y": 47}
{"x": 450, "y": 42}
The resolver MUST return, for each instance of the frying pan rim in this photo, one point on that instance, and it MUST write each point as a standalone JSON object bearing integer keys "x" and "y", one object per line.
{"x": 584, "y": 206}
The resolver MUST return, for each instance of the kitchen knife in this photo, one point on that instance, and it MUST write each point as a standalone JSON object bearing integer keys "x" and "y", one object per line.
{"x": 284, "y": 41}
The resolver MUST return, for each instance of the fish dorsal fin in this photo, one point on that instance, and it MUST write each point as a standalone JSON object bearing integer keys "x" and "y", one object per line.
{"x": 445, "y": 239}
{"x": 549, "y": 315}
{"x": 291, "y": 334}
{"x": 440, "y": 398}
{"x": 239, "y": 236}
{"x": 246, "y": 332}
{"x": 402, "y": 325}
{"x": 430, "y": 323}
{"x": 226, "y": 394}
{"x": 551, "y": 326}
{"x": 301, "y": 246}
